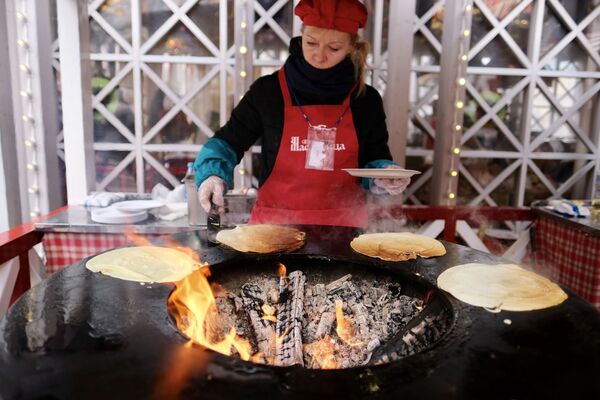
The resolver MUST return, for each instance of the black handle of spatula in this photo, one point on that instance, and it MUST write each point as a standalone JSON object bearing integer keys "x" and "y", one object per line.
{"x": 213, "y": 223}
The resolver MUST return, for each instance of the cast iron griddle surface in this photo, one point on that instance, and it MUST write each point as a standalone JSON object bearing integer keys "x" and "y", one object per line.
{"x": 82, "y": 335}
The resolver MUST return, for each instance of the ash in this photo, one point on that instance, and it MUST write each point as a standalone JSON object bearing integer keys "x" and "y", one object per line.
{"x": 299, "y": 320}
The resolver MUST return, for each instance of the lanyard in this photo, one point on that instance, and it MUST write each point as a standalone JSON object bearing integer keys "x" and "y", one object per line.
{"x": 305, "y": 116}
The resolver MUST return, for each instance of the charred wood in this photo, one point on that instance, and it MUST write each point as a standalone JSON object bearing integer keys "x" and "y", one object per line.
{"x": 289, "y": 320}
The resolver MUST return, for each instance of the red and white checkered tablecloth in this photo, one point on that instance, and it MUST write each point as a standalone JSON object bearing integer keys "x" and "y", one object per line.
{"x": 64, "y": 249}
{"x": 569, "y": 257}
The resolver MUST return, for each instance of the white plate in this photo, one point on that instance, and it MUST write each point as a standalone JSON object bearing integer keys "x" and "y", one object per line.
{"x": 137, "y": 205}
{"x": 111, "y": 215}
{"x": 388, "y": 173}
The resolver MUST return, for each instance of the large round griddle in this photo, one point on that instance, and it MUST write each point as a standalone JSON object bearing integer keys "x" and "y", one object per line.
{"x": 83, "y": 335}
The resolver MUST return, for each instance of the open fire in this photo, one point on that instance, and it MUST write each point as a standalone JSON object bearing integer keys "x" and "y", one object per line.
{"x": 302, "y": 317}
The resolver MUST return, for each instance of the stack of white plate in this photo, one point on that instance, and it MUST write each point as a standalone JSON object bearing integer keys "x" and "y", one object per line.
{"x": 125, "y": 212}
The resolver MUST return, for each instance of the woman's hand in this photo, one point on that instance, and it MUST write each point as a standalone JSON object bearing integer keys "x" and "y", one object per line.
{"x": 212, "y": 190}
{"x": 390, "y": 186}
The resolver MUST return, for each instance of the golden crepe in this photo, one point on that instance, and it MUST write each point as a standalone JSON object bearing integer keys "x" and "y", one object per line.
{"x": 503, "y": 286}
{"x": 397, "y": 246}
{"x": 262, "y": 238}
{"x": 144, "y": 264}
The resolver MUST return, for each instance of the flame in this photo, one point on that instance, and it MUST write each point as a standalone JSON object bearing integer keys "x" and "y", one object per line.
{"x": 322, "y": 352}
{"x": 195, "y": 309}
{"x": 281, "y": 270}
{"x": 269, "y": 313}
{"x": 345, "y": 328}
{"x": 140, "y": 240}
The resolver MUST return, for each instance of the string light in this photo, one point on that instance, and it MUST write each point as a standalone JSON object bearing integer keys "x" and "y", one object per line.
{"x": 29, "y": 126}
{"x": 243, "y": 25}
{"x": 243, "y": 74}
{"x": 459, "y": 103}
{"x": 243, "y": 49}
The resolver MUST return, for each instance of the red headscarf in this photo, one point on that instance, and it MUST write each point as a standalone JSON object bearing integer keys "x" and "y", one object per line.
{"x": 341, "y": 15}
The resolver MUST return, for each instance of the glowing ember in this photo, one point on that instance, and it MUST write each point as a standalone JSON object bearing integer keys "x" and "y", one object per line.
{"x": 322, "y": 351}
{"x": 269, "y": 312}
{"x": 345, "y": 328}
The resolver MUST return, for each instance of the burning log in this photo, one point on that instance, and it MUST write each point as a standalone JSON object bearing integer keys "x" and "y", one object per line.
{"x": 420, "y": 332}
{"x": 325, "y": 325}
{"x": 289, "y": 322}
{"x": 254, "y": 298}
{"x": 337, "y": 284}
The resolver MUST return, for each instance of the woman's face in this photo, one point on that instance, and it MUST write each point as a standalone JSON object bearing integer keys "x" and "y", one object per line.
{"x": 324, "y": 48}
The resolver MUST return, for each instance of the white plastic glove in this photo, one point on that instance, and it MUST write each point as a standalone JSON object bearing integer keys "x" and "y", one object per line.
{"x": 390, "y": 186}
{"x": 212, "y": 190}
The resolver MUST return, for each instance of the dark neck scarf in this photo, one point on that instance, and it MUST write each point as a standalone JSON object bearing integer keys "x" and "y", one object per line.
{"x": 334, "y": 82}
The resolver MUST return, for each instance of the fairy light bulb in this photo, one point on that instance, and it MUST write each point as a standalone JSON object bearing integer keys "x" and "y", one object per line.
{"x": 460, "y": 104}
{"x": 34, "y": 214}
{"x": 242, "y": 171}
{"x": 456, "y": 150}
{"x": 243, "y": 74}
{"x": 457, "y": 127}
{"x": 468, "y": 8}
{"x": 21, "y": 16}
{"x": 32, "y": 190}
{"x": 464, "y": 57}
{"x": 26, "y": 118}
{"x": 31, "y": 166}
{"x": 462, "y": 81}
{"x": 451, "y": 195}
{"x": 24, "y": 68}
{"x": 22, "y": 43}
{"x": 454, "y": 173}
{"x": 243, "y": 49}
{"x": 466, "y": 33}
{"x": 29, "y": 142}
{"x": 25, "y": 93}
{"x": 243, "y": 25}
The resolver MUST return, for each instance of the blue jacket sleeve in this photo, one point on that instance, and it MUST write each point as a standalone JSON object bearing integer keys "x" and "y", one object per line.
{"x": 368, "y": 182}
{"x": 218, "y": 158}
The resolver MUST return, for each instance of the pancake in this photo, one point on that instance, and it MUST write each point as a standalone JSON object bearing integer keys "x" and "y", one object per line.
{"x": 144, "y": 264}
{"x": 397, "y": 246}
{"x": 504, "y": 286}
{"x": 262, "y": 238}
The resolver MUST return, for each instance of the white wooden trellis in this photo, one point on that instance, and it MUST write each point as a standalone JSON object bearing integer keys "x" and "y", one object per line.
{"x": 531, "y": 74}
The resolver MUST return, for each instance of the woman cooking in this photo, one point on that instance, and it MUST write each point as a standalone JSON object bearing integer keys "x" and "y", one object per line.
{"x": 315, "y": 116}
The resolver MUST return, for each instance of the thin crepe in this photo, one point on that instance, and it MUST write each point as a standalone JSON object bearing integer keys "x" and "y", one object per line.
{"x": 503, "y": 286}
{"x": 397, "y": 246}
{"x": 144, "y": 264}
{"x": 262, "y": 238}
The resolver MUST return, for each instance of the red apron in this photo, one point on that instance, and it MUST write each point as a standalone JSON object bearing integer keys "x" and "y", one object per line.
{"x": 295, "y": 195}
